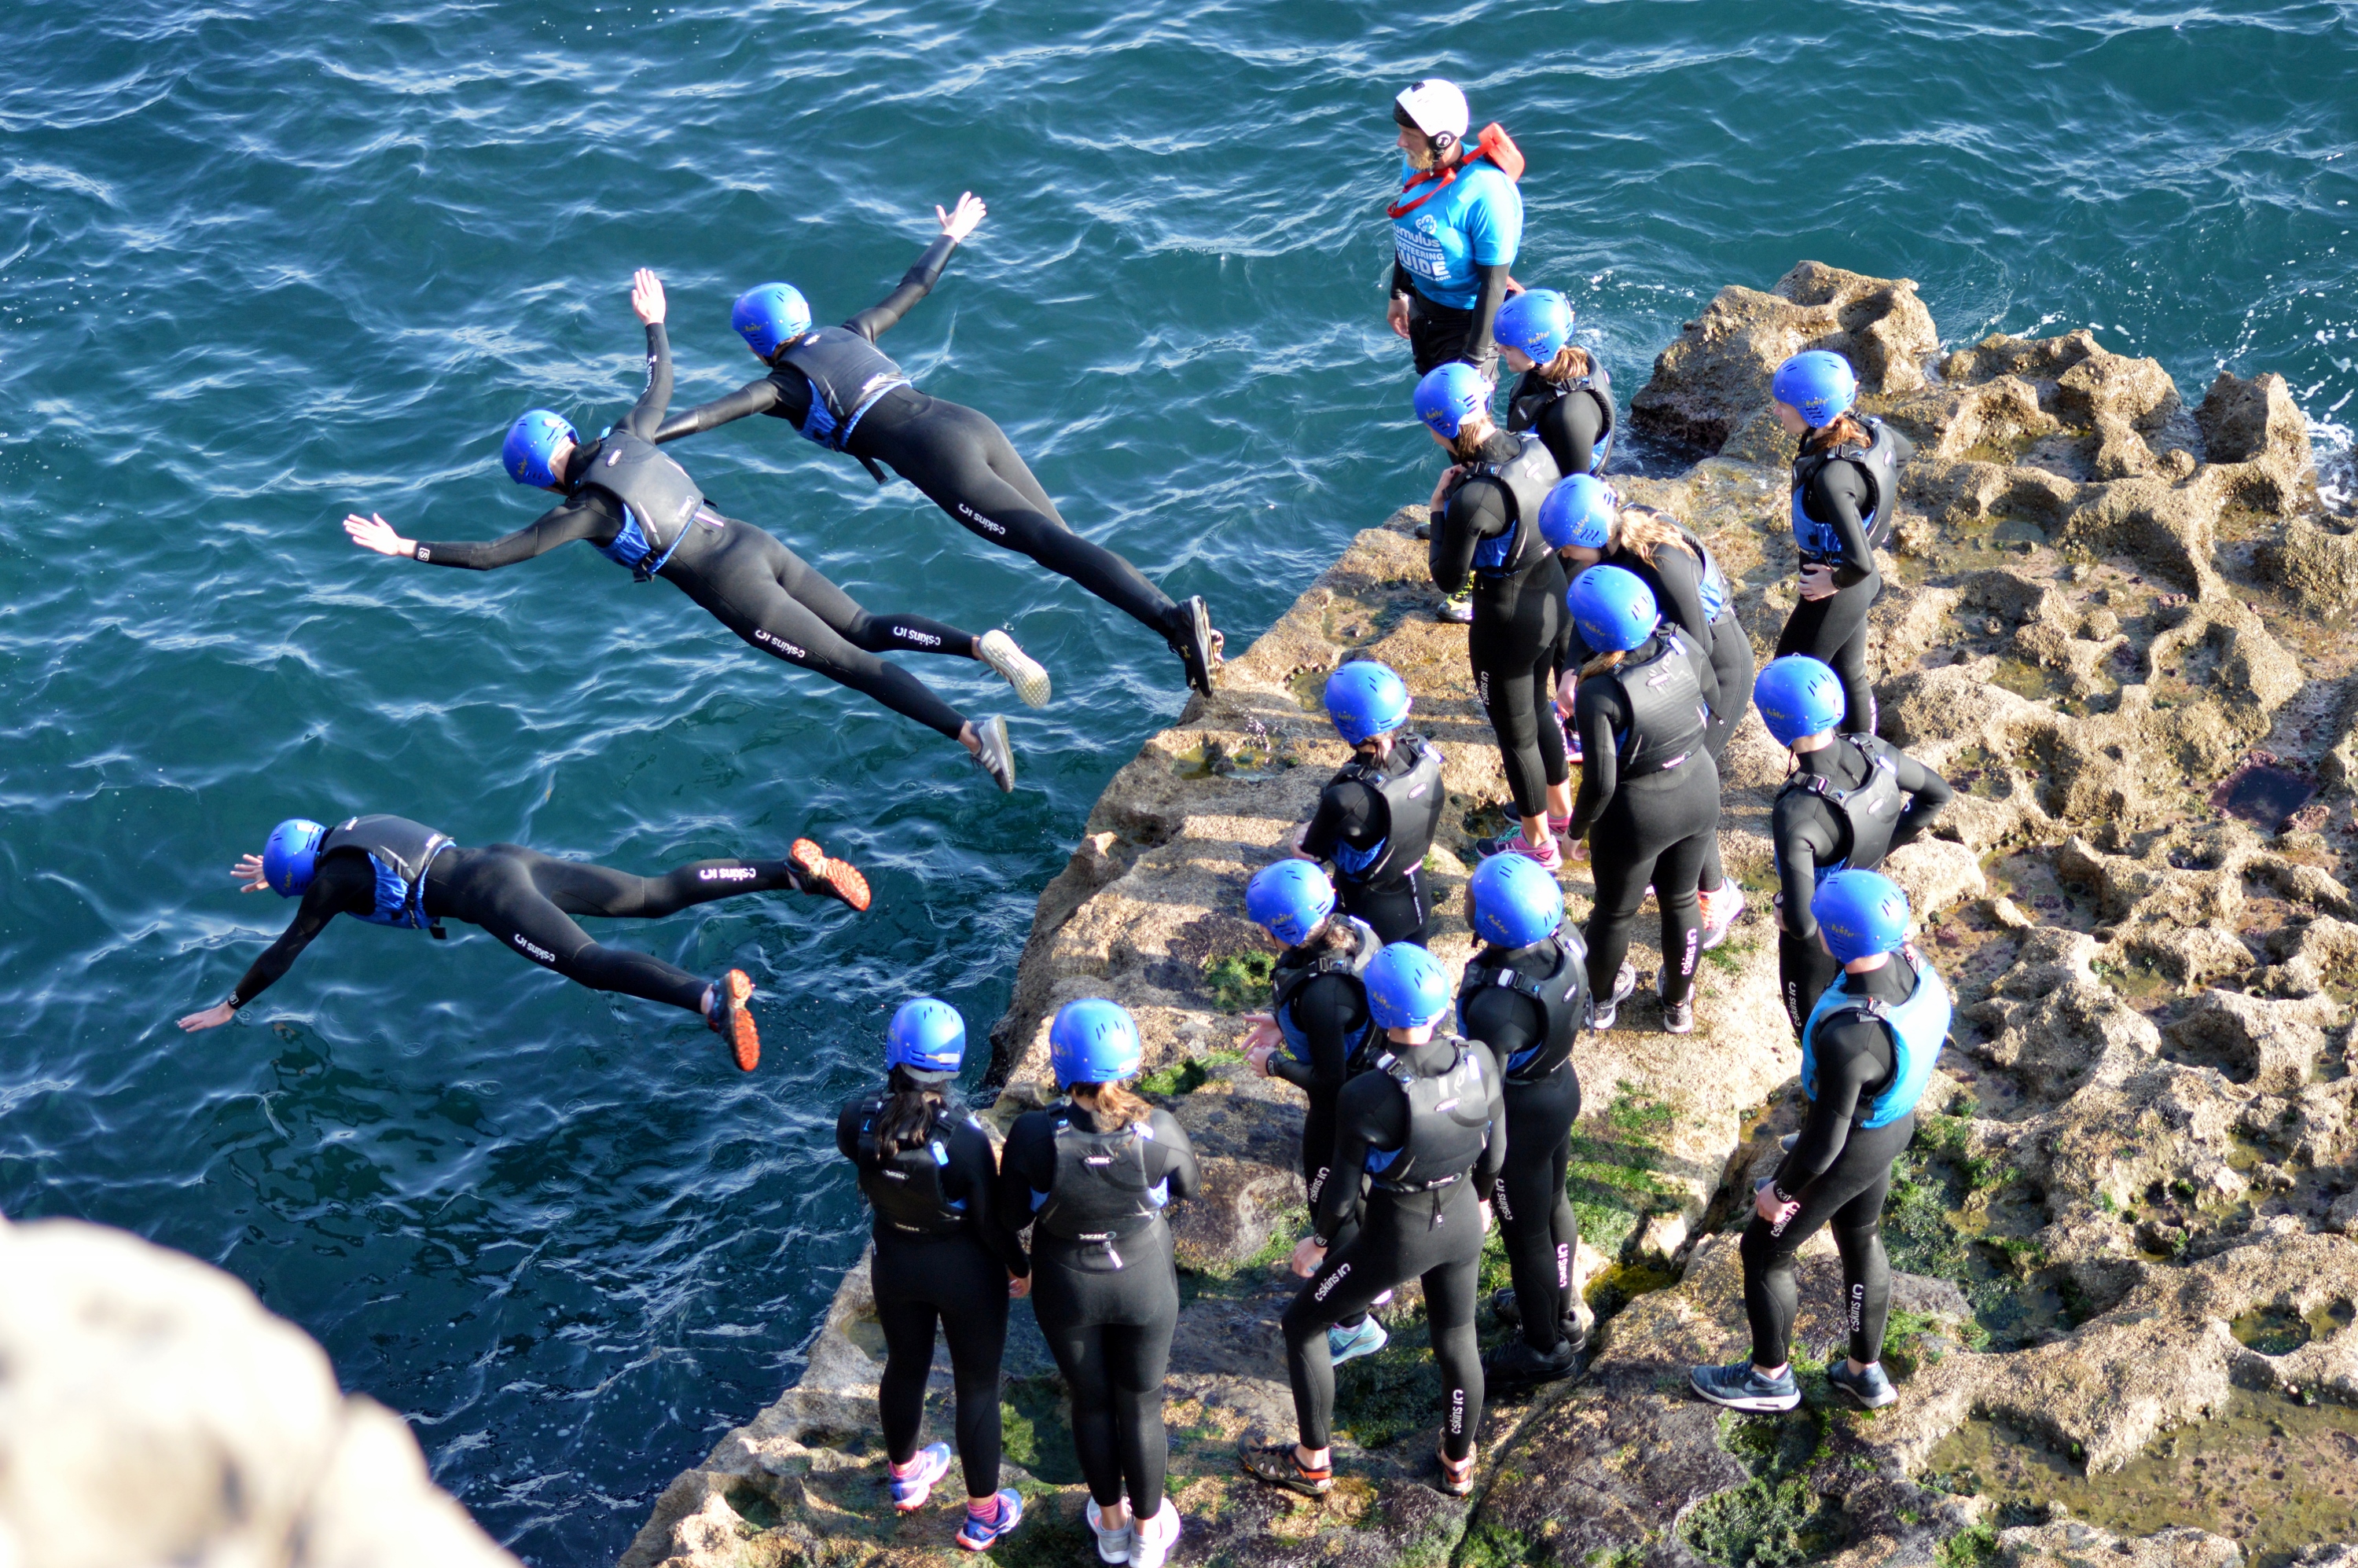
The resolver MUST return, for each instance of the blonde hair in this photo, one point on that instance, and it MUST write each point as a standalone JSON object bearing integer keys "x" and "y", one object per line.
{"x": 1603, "y": 662}
{"x": 1841, "y": 431}
{"x": 1112, "y": 1101}
{"x": 1570, "y": 363}
{"x": 1641, "y": 530}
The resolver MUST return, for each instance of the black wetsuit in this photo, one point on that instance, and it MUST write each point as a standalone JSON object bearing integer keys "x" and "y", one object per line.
{"x": 1572, "y": 424}
{"x": 1834, "y": 629}
{"x": 749, "y": 581}
{"x": 1518, "y": 621}
{"x": 959, "y": 458}
{"x": 1433, "y": 1236}
{"x": 1354, "y": 826}
{"x": 1840, "y": 1174}
{"x": 1675, "y": 577}
{"x": 1655, "y": 828}
{"x": 947, "y": 1268}
{"x": 1106, "y": 1311}
{"x": 528, "y": 900}
{"x": 1542, "y": 1097}
{"x": 1809, "y": 833}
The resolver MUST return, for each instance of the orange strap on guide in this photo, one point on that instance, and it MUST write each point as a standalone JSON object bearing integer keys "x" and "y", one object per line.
{"x": 1493, "y": 144}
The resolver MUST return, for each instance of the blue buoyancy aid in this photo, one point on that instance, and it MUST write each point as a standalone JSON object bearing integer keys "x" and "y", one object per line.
{"x": 847, "y": 375}
{"x": 1525, "y": 477}
{"x": 399, "y": 850}
{"x": 1409, "y": 783}
{"x": 1534, "y": 393}
{"x": 1879, "y": 461}
{"x": 658, "y": 500}
{"x": 1918, "y": 1028}
{"x": 1295, "y": 970}
{"x": 1448, "y": 1122}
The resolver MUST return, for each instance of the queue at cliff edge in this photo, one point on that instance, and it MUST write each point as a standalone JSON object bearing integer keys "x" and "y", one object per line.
{"x": 1600, "y": 634}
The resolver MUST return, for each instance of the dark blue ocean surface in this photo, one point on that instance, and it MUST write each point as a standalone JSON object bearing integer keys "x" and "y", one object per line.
{"x": 264, "y": 263}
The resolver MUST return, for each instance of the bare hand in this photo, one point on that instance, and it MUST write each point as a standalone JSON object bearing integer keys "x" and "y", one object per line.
{"x": 1513, "y": 287}
{"x": 647, "y": 296}
{"x": 963, "y": 219}
{"x": 1308, "y": 1256}
{"x": 1580, "y": 849}
{"x": 1017, "y": 1288}
{"x": 211, "y": 1018}
{"x": 1817, "y": 582}
{"x": 1566, "y": 691}
{"x": 1397, "y": 314}
{"x": 248, "y": 870}
{"x": 373, "y": 533}
{"x": 1765, "y": 1203}
{"x": 1484, "y": 1207}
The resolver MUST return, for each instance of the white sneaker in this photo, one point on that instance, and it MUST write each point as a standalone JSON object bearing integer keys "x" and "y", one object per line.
{"x": 1020, "y": 669}
{"x": 1155, "y": 1538}
{"x": 1113, "y": 1545}
{"x": 1720, "y": 911}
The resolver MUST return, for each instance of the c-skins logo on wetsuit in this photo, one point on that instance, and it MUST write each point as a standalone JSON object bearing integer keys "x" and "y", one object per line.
{"x": 727, "y": 874}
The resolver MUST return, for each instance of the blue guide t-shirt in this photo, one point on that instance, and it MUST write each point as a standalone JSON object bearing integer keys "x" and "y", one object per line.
{"x": 1476, "y": 220}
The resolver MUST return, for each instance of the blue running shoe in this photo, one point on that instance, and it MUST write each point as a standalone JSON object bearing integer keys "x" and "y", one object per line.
{"x": 1868, "y": 1389}
{"x": 979, "y": 1534}
{"x": 1740, "y": 1387}
{"x": 1343, "y": 1343}
{"x": 912, "y": 1486}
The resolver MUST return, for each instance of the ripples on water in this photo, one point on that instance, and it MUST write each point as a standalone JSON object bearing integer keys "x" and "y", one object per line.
{"x": 261, "y": 264}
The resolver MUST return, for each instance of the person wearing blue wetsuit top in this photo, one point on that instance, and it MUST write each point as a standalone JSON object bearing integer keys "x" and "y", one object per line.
{"x": 944, "y": 1258}
{"x": 642, "y": 510}
{"x": 1867, "y": 1054}
{"x": 833, "y": 384}
{"x": 1851, "y": 800}
{"x": 390, "y": 870}
{"x": 1455, "y": 227}
{"x": 1846, "y": 498}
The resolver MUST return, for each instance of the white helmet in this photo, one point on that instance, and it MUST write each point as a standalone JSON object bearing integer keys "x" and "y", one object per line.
{"x": 1434, "y": 107}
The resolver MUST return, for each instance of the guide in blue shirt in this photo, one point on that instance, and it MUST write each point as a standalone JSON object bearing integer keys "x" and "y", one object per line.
{"x": 1455, "y": 227}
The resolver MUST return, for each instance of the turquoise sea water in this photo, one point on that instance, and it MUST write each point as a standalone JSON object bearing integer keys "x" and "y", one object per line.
{"x": 261, "y": 263}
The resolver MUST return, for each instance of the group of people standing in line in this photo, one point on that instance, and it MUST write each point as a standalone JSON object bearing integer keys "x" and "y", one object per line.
{"x": 1599, "y": 633}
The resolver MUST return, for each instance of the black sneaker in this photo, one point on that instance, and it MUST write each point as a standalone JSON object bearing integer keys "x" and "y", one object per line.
{"x": 1517, "y": 1362}
{"x": 1197, "y": 645}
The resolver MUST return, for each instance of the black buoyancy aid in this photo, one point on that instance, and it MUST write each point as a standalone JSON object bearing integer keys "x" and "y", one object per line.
{"x": 1868, "y": 812}
{"x": 1712, "y": 590}
{"x": 659, "y": 500}
{"x": 1557, "y": 994}
{"x": 399, "y": 850}
{"x": 847, "y": 375}
{"x": 1100, "y": 1195}
{"x": 1527, "y": 477}
{"x": 1295, "y": 970}
{"x": 1535, "y": 391}
{"x": 1663, "y": 697}
{"x": 1448, "y": 1122}
{"x": 906, "y": 1189}
{"x": 1879, "y": 461}
{"x": 1414, "y": 798}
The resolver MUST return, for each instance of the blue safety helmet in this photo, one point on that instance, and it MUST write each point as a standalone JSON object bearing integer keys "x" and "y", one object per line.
{"x": 532, "y": 441}
{"x": 1818, "y": 382}
{"x": 290, "y": 856}
{"x": 1515, "y": 902}
{"x": 770, "y": 317}
{"x": 1860, "y": 913}
{"x": 1538, "y": 321}
{"x": 1093, "y": 1041}
{"x": 926, "y": 1040}
{"x": 1366, "y": 699}
{"x": 1290, "y": 900}
{"x": 1407, "y": 988}
{"x": 1579, "y": 512}
{"x": 1449, "y": 396}
{"x": 1798, "y": 695}
{"x": 1614, "y": 608}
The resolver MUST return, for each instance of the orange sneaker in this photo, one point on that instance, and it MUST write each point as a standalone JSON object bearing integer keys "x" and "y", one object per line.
{"x": 837, "y": 878}
{"x": 733, "y": 1021}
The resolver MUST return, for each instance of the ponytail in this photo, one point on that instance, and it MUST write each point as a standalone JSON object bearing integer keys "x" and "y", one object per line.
{"x": 1604, "y": 663}
{"x": 1111, "y": 1102}
{"x": 908, "y": 1115}
{"x": 1641, "y": 530}
{"x": 1568, "y": 365}
{"x": 1844, "y": 430}
{"x": 1466, "y": 446}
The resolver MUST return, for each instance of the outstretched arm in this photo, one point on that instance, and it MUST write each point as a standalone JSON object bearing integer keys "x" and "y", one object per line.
{"x": 647, "y": 304}
{"x": 919, "y": 280}
{"x": 340, "y": 883}
{"x": 754, "y": 397}
{"x": 557, "y": 525}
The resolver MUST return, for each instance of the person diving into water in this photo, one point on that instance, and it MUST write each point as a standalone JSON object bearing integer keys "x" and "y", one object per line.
{"x": 389, "y": 871}
{"x": 641, "y": 510}
{"x": 834, "y": 387}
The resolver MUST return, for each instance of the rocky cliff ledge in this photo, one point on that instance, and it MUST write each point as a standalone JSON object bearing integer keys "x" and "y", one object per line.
{"x": 2126, "y": 1228}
